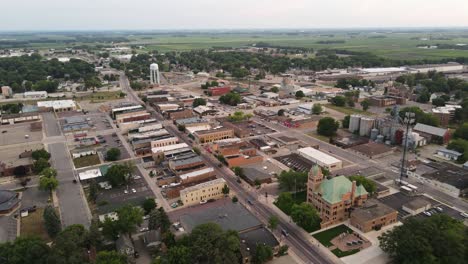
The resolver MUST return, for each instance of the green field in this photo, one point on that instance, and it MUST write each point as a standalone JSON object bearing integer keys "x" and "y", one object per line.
{"x": 396, "y": 45}
{"x": 86, "y": 161}
{"x": 325, "y": 237}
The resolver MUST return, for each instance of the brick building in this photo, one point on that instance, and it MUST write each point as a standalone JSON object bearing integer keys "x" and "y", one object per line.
{"x": 207, "y": 136}
{"x": 373, "y": 215}
{"x": 238, "y": 154}
{"x": 217, "y": 91}
{"x": 179, "y": 114}
{"x": 333, "y": 198}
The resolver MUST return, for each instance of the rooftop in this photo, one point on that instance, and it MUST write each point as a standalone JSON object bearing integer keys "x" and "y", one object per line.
{"x": 333, "y": 189}
{"x": 202, "y": 185}
{"x": 190, "y": 120}
{"x": 8, "y": 200}
{"x": 416, "y": 203}
{"x": 310, "y": 152}
{"x": 229, "y": 215}
{"x": 432, "y": 130}
{"x": 449, "y": 174}
{"x": 371, "y": 210}
{"x": 170, "y": 147}
{"x": 57, "y": 104}
{"x": 196, "y": 173}
{"x": 90, "y": 174}
{"x": 259, "y": 236}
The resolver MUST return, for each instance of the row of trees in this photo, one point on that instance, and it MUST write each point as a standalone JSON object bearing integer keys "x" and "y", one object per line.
{"x": 34, "y": 71}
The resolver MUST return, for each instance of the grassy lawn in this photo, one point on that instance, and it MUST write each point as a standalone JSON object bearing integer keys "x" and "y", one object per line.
{"x": 341, "y": 254}
{"x": 348, "y": 110}
{"x": 326, "y": 236}
{"x": 86, "y": 161}
{"x": 33, "y": 225}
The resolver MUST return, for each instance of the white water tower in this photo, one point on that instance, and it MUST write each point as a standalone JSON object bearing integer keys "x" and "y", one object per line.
{"x": 154, "y": 71}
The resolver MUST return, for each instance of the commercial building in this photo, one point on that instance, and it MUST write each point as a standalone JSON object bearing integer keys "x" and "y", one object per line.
{"x": 179, "y": 114}
{"x": 19, "y": 118}
{"x": 447, "y": 67}
{"x": 125, "y": 109}
{"x": 132, "y": 116}
{"x": 446, "y": 177}
{"x": 191, "y": 122}
{"x": 164, "y": 141}
{"x": 9, "y": 201}
{"x": 207, "y": 136}
{"x": 448, "y": 154}
{"x": 333, "y": 198}
{"x": 90, "y": 174}
{"x": 433, "y": 134}
{"x": 187, "y": 162}
{"x": 237, "y": 154}
{"x": 125, "y": 127}
{"x": 203, "y": 110}
{"x": 78, "y": 153}
{"x": 416, "y": 206}
{"x": 7, "y": 92}
{"x": 35, "y": 95}
{"x": 445, "y": 114}
{"x": 373, "y": 215}
{"x": 322, "y": 159}
{"x": 164, "y": 151}
{"x": 57, "y": 105}
{"x": 217, "y": 91}
{"x": 197, "y": 175}
{"x": 203, "y": 192}
{"x": 381, "y": 101}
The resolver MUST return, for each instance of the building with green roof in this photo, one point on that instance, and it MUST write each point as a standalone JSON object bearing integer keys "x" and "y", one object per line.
{"x": 333, "y": 198}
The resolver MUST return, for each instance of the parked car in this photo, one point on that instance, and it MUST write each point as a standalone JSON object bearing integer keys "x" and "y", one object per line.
{"x": 464, "y": 214}
{"x": 144, "y": 229}
{"x": 203, "y": 202}
{"x": 427, "y": 213}
{"x": 174, "y": 205}
{"x": 284, "y": 232}
{"x": 439, "y": 209}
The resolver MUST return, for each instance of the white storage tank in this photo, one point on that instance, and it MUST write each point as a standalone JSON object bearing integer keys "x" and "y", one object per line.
{"x": 366, "y": 126}
{"x": 379, "y": 139}
{"x": 374, "y": 133}
{"x": 354, "y": 122}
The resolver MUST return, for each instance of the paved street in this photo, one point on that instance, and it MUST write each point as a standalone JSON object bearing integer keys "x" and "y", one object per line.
{"x": 50, "y": 124}
{"x": 73, "y": 207}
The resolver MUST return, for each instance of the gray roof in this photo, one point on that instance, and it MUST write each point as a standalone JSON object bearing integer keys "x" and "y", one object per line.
{"x": 254, "y": 174}
{"x": 183, "y": 161}
{"x": 8, "y": 200}
{"x": 228, "y": 215}
{"x": 452, "y": 152}
{"x": 432, "y": 130}
{"x": 250, "y": 240}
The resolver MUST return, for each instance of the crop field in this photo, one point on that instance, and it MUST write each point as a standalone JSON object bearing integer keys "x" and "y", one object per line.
{"x": 396, "y": 45}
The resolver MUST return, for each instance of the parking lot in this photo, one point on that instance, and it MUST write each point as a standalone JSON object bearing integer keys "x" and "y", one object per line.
{"x": 134, "y": 193}
{"x": 397, "y": 200}
{"x": 18, "y": 133}
{"x": 254, "y": 128}
{"x": 113, "y": 142}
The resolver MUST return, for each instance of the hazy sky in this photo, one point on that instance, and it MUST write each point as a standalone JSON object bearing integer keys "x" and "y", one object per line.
{"x": 209, "y": 14}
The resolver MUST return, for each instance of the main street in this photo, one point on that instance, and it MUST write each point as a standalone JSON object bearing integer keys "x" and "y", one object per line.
{"x": 297, "y": 239}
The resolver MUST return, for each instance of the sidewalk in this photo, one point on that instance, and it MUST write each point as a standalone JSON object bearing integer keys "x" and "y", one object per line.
{"x": 160, "y": 200}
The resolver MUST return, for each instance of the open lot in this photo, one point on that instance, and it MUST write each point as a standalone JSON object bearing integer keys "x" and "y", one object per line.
{"x": 86, "y": 161}
{"x": 18, "y": 134}
{"x": 114, "y": 142}
{"x": 110, "y": 200}
{"x": 33, "y": 225}
{"x": 254, "y": 128}
{"x": 9, "y": 155}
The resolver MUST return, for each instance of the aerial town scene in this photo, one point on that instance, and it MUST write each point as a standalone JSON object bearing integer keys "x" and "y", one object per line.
{"x": 146, "y": 132}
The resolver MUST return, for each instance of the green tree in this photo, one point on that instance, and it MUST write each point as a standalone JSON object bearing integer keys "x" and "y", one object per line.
{"x": 196, "y": 150}
{"x": 437, "y": 239}
{"x": 25, "y": 249}
{"x": 274, "y": 89}
{"x": 300, "y": 94}
{"x": 159, "y": 219}
{"x": 129, "y": 218}
{"x": 283, "y": 250}
{"x": 48, "y": 184}
{"x": 110, "y": 229}
{"x": 119, "y": 174}
{"x": 461, "y": 132}
{"x": 273, "y": 222}
{"x": 93, "y": 191}
{"x": 281, "y": 112}
{"x": 40, "y": 153}
{"x": 49, "y": 172}
{"x": 263, "y": 253}
{"x": 238, "y": 171}
{"x": 350, "y": 102}
{"x": 234, "y": 199}
{"x": 110, "y": 257}
{"x": 52, "y": 221}
{"x": 225, "y": 189}
{"x": 70, "y": 246}
{"x": 327, "y": 126}
{"x": 317, "y": 109}
{"x": 305, "y": 216}
{"x": 345, "y": 121}
{"x": 181, "y": 128}
{"x": 198, "y": 101}
{"x": 439, "y": 101}
{"x": 148, "y": 205}
{"x": 365, "y": 104}
{"x": 179, "y": 255}
{"x": 113, "y": 154}
{"x": 368, "y": 184}
{"x": 285, "y": 202}
{"x": 338, "y": 100}
{"x": 230, "y": 99}
{"x": 40, "y": 164}
{"x": 292, "y": 180}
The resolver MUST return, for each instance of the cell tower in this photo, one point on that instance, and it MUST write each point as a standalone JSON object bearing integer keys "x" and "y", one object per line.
{"x": 154, "y": 71}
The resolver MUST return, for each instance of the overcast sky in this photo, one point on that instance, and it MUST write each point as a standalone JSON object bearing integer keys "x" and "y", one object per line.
{"x": 237, "y": 14}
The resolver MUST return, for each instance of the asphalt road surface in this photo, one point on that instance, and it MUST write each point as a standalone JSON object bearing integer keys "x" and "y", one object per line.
{"x": 73, "y": 207}
{"x": 50, "y": 124}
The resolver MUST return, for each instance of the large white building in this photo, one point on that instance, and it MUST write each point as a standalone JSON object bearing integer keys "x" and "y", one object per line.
{"x": 202, "y": 192}
{"x": 35, "y": 94}
{"x": 58, "y": 105}
{"x": 322, "y": 159}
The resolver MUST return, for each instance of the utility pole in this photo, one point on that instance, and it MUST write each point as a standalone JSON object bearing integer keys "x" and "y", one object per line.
{"x": 409, "y": 119}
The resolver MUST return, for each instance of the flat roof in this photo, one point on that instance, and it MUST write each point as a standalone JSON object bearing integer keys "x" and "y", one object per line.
{"x": 90, "y": 174}
{"x": 196, "y": 173}
{"x": 57, "y": 104}
{"x": 179, "y": 161}
{"x": 449, "y": 174}
{"x": 126, "y": 108}
{"x": 318, "y": 155}
{"x": 371, "y": 210}
{"x": 170, "y": 147}
{"x": 202, "y": 185}
{"x": 229, "y": 216}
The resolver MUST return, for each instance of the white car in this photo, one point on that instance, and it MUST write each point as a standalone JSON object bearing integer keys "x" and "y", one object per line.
{"x": 133, "y": 190}
{"x": 203, "y": 202}
{"x": 125, "y": 191}
{"x": 427, "y": 213}
{"x": 144, "y": 229}
{"x": 464, "y": 214}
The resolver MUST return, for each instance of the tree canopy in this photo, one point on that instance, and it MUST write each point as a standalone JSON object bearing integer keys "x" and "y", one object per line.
{"x": 436, "y": 239}
{"x": 230, "y": 99}
{"x": 327, "y": 126}
{"x": 368, "y": 184}
{"x": 113, "y": 154}
{"x": 198, "y": 101}
{"x": 305, "y": 216}
{"x": 40, "y": 153}
{"x": 292, "y": 180}
{"x": 52, "y": 221}
{"x": 119, "y": 174}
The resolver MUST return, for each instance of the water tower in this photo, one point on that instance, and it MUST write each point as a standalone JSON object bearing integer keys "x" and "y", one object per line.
{"x": 154, "y": 72}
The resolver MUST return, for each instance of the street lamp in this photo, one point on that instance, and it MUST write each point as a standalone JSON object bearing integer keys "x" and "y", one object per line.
{"x": 409, "y": 119}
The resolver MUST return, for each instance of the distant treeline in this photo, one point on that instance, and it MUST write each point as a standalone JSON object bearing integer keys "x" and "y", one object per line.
{"x": 330, "y": 42}
{"x": 77, "y": 39}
